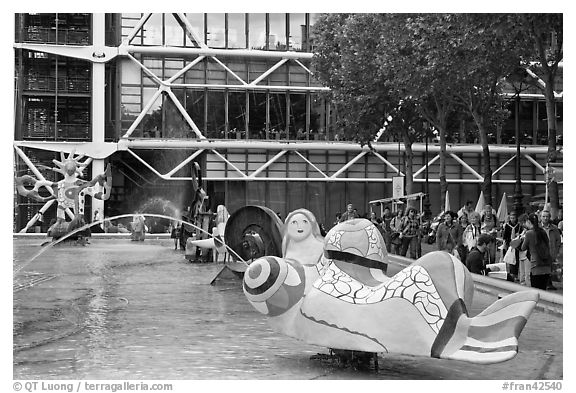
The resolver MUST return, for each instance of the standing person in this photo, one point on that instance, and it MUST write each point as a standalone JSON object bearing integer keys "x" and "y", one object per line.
{"x": 448, "y": 233}
{"x": 524, "y": 265}
{"x": 511, "y": 230}
{"x": 472, "y": 231}
{"x": 337, "y": 219}
{"x": 461, "y": 247}
{"x": 489, "y": 225}
{"x": 410, "y": 234}
{"x": 537, "y": 244}
{"x": 466, "y": 209}
{"x": 555, "y": 241}
{"x": 175, "y": 234}
{"x": 387, "y": 228}
{"x": 372, "y": 218}
{"x": 395, "y": 227}
{"x": 349, "y": 214}
{"x": 475, "y": 258}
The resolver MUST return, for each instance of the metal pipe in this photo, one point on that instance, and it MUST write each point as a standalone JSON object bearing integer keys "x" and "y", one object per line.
{"x": 124, "y": 50}
{"x": 150, "y": 143}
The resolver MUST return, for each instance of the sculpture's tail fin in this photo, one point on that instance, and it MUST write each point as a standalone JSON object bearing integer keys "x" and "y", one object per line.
{"x": 489, "y": 337}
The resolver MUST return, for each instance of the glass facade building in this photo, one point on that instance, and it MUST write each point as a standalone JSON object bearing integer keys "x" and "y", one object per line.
{"x": 150, "y": 93}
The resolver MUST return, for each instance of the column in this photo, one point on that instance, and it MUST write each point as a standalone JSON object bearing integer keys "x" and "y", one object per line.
{"x": 98, "y": 100}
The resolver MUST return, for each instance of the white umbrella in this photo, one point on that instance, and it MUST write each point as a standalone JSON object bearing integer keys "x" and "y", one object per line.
{"x": 481, "y": 203}
{"x": 447, "y": 202}
{"x": 502, "y": 209}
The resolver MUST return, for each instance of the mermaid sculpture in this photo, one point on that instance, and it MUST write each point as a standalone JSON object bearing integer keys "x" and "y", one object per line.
{"x": 347, "y": 302}
{"x": 69, "y": 192}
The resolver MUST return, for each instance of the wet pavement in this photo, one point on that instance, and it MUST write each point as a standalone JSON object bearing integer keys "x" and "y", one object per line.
{"x": 123, "y": 310}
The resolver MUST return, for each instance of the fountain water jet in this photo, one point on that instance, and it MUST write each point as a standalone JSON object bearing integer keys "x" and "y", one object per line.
{"x": 84, "y": 227}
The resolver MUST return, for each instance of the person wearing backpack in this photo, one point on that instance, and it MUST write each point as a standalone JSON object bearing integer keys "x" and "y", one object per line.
{"x": 538, "y": 246}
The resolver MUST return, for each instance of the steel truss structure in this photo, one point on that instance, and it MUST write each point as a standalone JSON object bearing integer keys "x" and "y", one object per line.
{"x": 217, "y": 150}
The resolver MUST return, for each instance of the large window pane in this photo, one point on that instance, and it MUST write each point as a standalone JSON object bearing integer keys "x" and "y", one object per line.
{"x": 174, "y": 123}
{"x": 197, "y": 22}
{"x": 317, "y": 117}
{"x": 195, "y": 107}
{"x": 215, "y": 30}
{"x": 153, "y": 30}
{"x": 173, "y": 32}
{"x": 297, "y": 31}
{"x": 257, "y": 31}
{"x": 277, "y": 36}
{"x": 216, "y": 113}
{"x": 257, "y": 119}
{"x": 278, "y": 115}
{"x": 237, "y": 114}
{"x": 298, "y": 117}
{"x": 236, "y": 31}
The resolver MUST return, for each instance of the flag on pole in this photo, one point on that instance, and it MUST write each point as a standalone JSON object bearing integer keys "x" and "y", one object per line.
{"x": 502, "y": 209}
{"x": 481, "y": 203}
{"x": 447, "y": 202}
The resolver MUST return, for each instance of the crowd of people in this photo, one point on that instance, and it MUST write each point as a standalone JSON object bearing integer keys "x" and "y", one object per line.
{"x": 529, "y": 245}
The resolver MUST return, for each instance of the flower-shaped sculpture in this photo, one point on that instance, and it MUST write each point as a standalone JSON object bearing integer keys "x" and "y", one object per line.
{"x": 69, "y": 193}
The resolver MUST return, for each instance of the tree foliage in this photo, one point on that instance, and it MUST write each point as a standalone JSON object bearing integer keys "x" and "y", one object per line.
{"x": 440, "y": 63}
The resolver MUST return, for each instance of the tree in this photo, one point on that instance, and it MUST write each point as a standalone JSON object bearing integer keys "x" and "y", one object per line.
{"x": 437, "y": 62}
{"x": 345, "y": 61}
{"x": 546, "y": 53}
{"x": 415, "y": 64}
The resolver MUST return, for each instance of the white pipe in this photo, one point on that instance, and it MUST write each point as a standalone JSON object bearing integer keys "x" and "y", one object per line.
{"x": 267, "y": 164}
{"x": 124, "y": 50}
{"x": 186, "y": 68}
{"x": 229, "y": 70}
{"x": 136, "y": 29}
{"x": 142, "y": 113}
{"x": 533, "y": 161}
{"x": 268, "y": 72}
{"x": 419, "y": 171}
{"x": 504, "y": 165}
{"x": 248, "y": 87}
{"x": 185, "y": 114}
{"x": 311, "y": 164}
{"x": 388, "y": 163}
{"x": 186, "y": 161}
{"x": 348, "y": 165}
{"x": 466, "y": 166}
{"x": 248, "y": 144}
{"x": 190, "y": 29}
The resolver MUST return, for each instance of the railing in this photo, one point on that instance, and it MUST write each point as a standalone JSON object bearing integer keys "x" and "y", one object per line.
{"x": 46, "y": 35}
{"x": 65, "y": 84}
{"x": 68, "y": 132}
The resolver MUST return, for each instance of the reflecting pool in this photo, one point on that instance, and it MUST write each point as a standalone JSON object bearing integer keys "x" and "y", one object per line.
{"x": 117, "y": 309}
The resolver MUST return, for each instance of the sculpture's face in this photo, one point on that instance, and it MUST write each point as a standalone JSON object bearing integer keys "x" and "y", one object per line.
{"x": 70, "y": 168}
{"x": 299, "y": 227}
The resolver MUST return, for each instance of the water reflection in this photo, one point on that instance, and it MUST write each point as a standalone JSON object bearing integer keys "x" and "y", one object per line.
{"x": 117, "y": 309}
{"x": 124, "y": 310}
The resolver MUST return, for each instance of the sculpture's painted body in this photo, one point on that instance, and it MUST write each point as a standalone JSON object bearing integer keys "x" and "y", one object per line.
{"x": 345, "y": 300}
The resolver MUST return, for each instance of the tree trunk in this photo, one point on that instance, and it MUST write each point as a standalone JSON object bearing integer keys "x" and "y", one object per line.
{"x": 551, "y": 116}
{"x": 409, "y": 158}
{"x": 442, "y": 173}
{"x": 487, "y": 169}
